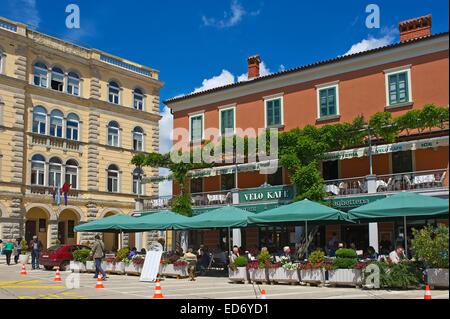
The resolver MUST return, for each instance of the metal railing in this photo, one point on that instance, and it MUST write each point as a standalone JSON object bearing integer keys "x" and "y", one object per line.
{"x": 198, "y": 200}
{"x": 346, "y": 186}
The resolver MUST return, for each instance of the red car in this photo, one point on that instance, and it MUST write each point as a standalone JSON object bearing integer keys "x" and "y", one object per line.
{"x": 58, "y": 255}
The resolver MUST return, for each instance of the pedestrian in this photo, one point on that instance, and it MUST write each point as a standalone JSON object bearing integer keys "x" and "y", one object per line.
{"x": 36, "y": 247}
{"x": 191, "y": 259}
{"x": 18, "y": 247}
{"x": 8, "y": 248}
{"x": 98, "y": 253}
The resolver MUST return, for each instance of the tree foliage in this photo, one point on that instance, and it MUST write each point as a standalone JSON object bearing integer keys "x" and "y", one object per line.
{"x": 430, "y": 245}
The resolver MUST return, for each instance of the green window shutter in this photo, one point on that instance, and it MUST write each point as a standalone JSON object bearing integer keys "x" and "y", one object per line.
{"x": 196, "y": 128}
{"x": 227, "y": 120}
{"x": 273, "y": 110}
{"x": 398, "y": 88}
{"x": 332, "y": 101}
{"x": 327, "y": 100}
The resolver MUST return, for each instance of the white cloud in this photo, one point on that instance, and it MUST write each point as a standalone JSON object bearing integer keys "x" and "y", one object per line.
{"x": 25, "y": 11}
{"x": 222, "y": 79}
{"x": 165, "y": 188}
{"x": 165, "y": 144}
{"x": 229, "y": 19}
{"x": 373, "y": 43}
{"x": 263, "y": 70}
{"x": 281, "y": 68}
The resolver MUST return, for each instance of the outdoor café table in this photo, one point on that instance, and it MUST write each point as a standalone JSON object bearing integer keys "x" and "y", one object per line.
{"x": 333, "y": 189}
{"x": 423, "y": 179}
{"x": 381, "y": 184}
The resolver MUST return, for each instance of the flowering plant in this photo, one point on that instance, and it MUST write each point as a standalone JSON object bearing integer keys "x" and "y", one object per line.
{"x": 137, "y": 260}
{"x": 290, "y": 266}
{"x": 110, "y": 259}
{"x": 254, "y": 264}
{"x": 181, "y": 262}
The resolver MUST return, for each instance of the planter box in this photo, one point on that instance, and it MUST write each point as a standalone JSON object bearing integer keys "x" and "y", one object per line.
{"x": 90, "y": 266}
{"x": 76, "y": 266}
{"x": 312, "y": 276}
{"x": 258, "y": 275}
{"x": 283, "y": 275}
{"x": 132, "y": 269}
{"x": 345, "y": 277}
{"x": 108, "y": 266}
{"x": 24, "y": 259}
{"x": 238, "y": 275}
{"x": 119, "y": 268}
{"x": 170, "y": 270}
{"x": 438, "y": 277}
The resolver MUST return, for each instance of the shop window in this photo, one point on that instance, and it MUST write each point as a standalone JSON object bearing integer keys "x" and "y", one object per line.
{"x": 276, "y": 178}
{"x": 227, "y": 182}
{"x": 330, "y": 170}
{"x": 402, "y": 162}
{"x": 196, "y": 185}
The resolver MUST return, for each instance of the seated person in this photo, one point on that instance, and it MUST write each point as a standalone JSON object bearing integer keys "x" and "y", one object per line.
{"x": 371, "y": 253}
{"x": 143, "y": 251}
{"x": 133, "y": 252}
{"x": 397, "y": 255}
{"x": 191, "y": 259}
{"x": 287, "y": 253}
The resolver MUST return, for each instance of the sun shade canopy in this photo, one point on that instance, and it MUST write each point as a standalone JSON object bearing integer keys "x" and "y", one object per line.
{"x": 224, "y": 217}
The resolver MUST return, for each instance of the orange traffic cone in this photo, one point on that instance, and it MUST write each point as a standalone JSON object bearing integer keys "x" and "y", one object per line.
{"x": 99, "y": 282}
{"x": 57, "y": 275}
{"x": 24, "y": 270}
{"x": 427, "y": 292}
{"x": 158, "y": 294}
{"x": 263, "y": 294}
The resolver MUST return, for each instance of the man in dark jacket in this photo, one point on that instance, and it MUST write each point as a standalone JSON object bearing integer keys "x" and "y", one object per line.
{"x": 36, "y": 247}
{"x": 98, "y": 253}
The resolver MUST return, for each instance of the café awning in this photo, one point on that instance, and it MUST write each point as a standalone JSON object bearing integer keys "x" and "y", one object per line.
{"x": 224, "y": 217}
{"x": 116, "y": 223}
{"x": 302, "y": 211}
{"x": 404, "y": 204}
{"x": 162, "y": 220}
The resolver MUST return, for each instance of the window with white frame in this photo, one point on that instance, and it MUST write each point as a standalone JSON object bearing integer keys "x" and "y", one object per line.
{"x": 138, "y": 139}
{"x": 71, "y": 174}
{"x": 398, "y": 86}
{"x": 113, "y": 179}
{"x": 327, "y": 100}
{"x": 57, "y": 82}
{"x": 39, "y": 120}
{"x": 138, "y": 189}
{"x": 72, "y": 127}
{"x": 40, "y": 74}
{"x": 273, "y": 111}
{"x": 56, "y": 123}
{"x": 114, "y": 93}
{"x": 37, "y": 170}
{"x": 196, "y": 127}
{"x": 138, "y": 99}
{"x": 2, "y": 60}
{"x": 55, "y": 172}
{"x": 227, "y": 120}
{"x": 73, "y": 83}
{"x": 113, "y": 133}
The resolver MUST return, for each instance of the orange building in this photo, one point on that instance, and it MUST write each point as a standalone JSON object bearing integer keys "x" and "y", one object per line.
{"x": 395, "y": 78}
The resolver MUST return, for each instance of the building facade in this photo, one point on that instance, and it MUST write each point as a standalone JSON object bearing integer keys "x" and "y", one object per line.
{"x": 396, "y": 78}
{"x": 70, "y": 115}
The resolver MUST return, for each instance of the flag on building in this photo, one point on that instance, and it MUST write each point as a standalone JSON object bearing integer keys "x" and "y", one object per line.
{"x": 65, "y": 190}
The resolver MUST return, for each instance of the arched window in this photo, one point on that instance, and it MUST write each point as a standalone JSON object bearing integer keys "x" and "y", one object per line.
{"x": 114, "y": 92}
{"x": 138, "y": 139}
{"x": 2, "y": 60}
{"x": 40, "y": 74}
{"x": 113, "y": 133}
{"x": 73, "y": 84}
{"x": 37, "y": 170}
{"x": 57, "y": 82}
{"x": 138, "y": 99}
{"x": 54, "y": 172}
{"x": 137, "y": 184}
{"x": 113, "y": 178}
{"x": 72, "y": 127}
{"x": 39, "y": 120}
{"x": 56, "y": 123}
{"x": 72, "y": 173}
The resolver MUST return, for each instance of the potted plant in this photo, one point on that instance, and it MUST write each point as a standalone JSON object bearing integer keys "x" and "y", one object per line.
{"x": 430, "y": 246}
{"x": 403, "y": 275}
{"x": 313, "y": 271}
{"x": 80, "y": 257}
{"x": 285, "y": 271}
{"x": 258, "y": 269}
{"x": 174, "y": 266}
{"x": 120, "y": 260}
{"x": 134, "y": 267}
{"x": 108, "y": 264}
{"x": 24, "y": 256}
{"x": 345, "y": 269}
{"x": 237, "y": 271}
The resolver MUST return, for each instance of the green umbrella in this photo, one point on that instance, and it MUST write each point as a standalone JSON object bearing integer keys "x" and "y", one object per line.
{"x": 115, "y": 223}
{"x": 404, "y": 204}
{"x": 159, "y": 221}
{"x": 224, "y": 217}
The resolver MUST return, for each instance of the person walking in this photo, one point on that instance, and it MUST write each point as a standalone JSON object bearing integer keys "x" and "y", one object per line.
{"x": 191, "y": 259}
{"x": 98, "y": 253}
{"x": 36, "y": 247}
{"x": 18, "y": 250}
{"x": 8, "y": 248}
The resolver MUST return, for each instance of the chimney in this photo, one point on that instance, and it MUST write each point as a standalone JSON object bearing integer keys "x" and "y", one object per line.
{"x": 415, "y": 28}
{"x": 253, "y": 66}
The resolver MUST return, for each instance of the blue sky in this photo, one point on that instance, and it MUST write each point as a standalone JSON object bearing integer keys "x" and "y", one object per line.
{"x": 204, "y": 43}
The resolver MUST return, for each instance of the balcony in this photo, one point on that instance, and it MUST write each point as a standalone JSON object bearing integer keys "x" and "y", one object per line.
{"x": 55, "y": 142}
{"x": 46, "y": 190}
{"x": 198, "y": 200}
{"x": 420, "y": 180}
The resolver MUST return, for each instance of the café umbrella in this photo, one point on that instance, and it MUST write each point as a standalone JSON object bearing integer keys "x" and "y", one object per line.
{"x": 405, "y": 205}
{"x": 162, "y": 220}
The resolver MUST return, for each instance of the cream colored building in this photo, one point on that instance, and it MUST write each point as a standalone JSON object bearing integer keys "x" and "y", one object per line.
{"x": 76, "y": 115}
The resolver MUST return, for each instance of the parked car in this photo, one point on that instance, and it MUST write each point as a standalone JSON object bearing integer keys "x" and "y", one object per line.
{"x": 58, "y": 255}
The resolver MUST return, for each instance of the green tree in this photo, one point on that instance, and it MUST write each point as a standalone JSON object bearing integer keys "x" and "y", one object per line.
{"x": 430, "y": 245}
